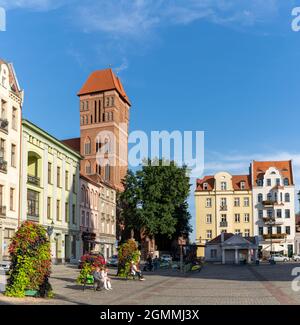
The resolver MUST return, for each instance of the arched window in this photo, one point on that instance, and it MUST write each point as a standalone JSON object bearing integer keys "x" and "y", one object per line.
{"x": 95, "y": 113}
{"x": 98, "y": 144}
{"x": 286, "y": 182}
{"x": 98, "y": 169}
{"x": 107, "y": 146}
{"x": 88, "y": 168}
{"x": 107, "y": 172}
{"x": 99, "y": 111}
{"x": 260, "y": 198}
{"x": 287, "y": 197}
{"x": 87, "y": 146}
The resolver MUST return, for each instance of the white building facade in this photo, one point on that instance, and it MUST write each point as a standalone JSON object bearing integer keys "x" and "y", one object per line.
{"x": 274, "y": 206}
{"x": 11, "y": 100}
{"x": 98, "y": 217}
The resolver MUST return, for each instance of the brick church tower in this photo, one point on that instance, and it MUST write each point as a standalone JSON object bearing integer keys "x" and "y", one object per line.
{"x": 104, "y": 120}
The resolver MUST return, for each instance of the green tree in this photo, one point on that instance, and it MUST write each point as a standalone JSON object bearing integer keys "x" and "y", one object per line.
{"x": 155, "y": 200}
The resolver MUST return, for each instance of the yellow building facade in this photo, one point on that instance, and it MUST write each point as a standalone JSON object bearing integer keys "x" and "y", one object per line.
{"x": 223, "y": 204}
{"x": 49, "y": 196}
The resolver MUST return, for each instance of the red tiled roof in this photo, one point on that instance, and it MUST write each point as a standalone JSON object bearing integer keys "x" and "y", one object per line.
{"x": 259, "y": 168}
{"x": 103, "y": 80}
{"x": 73, "y": 143}
{"x": 238, "y": 179}
{"x": 210, "y": 180}
{"x": 236, "y": 183}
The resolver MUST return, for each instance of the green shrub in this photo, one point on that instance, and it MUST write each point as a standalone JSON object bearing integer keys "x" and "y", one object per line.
{"x": 31, "y": 262}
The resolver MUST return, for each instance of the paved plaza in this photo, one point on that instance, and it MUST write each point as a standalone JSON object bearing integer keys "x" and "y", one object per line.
{"x": 215, "y": 284}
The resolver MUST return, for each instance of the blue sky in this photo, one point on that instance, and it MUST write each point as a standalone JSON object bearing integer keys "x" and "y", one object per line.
{"x": 230, "y": 68}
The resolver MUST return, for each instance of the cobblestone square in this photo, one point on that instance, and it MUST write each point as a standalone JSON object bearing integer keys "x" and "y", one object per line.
{"x": 214, "y": 285}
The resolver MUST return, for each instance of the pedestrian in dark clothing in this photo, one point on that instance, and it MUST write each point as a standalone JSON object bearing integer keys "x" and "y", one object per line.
{"x": 98, "y": 281}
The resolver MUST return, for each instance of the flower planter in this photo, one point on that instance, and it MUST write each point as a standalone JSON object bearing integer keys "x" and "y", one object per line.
{"x": 31, "y": 293}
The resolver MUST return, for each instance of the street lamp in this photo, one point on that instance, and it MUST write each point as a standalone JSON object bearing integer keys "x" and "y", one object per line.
{"x": 50, "y": 229}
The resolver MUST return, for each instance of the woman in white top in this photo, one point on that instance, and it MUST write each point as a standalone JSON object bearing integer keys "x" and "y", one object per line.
{"x": 106, "y": 279}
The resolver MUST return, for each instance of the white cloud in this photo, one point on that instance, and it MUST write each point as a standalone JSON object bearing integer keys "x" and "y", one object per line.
{"x": 137, "y": 17}
{"x": 124, "y": 66}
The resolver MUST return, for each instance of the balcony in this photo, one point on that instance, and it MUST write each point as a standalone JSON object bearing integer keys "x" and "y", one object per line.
{"x": 4, "y": 124}
{"x": 33, "y": 180}
{"x": 3, "y": 165}
{"x": 33, "y": 218}
{"x": 272, "y": 221}
{"x": 2, "y": 211}
{"x": 269, "y": 203}
{"x": 223, "y": 208}
{"x": 223, "y": 224}
{"x": 274, "y": 236}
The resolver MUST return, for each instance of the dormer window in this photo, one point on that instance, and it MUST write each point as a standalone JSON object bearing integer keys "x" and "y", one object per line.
{"x": 205, "y": 186}
{"x": 259, "y": 182}
{"x": 223, "y": 186}
{"x": 243, "y": 185}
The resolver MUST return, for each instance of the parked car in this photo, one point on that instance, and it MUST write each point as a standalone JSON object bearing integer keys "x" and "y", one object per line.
{"x": 93, "y": 258}
{"x": 5, "y": 265}
{"x": 279, "y": 258}
{"x": 166, "y": 258}
{"x": 113, "y": 261}
{"x": 296, "y": 258}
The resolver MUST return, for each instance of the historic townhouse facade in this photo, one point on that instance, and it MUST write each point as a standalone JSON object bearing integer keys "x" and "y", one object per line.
{"x": 11, "y": 100}
{"x": 223, "y": 205}
{"x": 50, "y": 182}
{"x": 274, "y": 206}
{"x": 98, "y": 217}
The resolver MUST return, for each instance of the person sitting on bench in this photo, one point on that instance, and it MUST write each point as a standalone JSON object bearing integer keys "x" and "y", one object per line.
{"x": 134, "y": 270}
{"x": 98, "y": 281}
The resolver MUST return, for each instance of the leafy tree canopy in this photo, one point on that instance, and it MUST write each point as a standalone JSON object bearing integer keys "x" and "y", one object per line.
{"x": 155, "y": 200}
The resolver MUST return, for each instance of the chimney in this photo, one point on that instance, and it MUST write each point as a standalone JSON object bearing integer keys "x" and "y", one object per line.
{"x": 222, "y": 237}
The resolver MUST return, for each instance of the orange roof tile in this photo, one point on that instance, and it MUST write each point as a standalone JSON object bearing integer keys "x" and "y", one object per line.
{"x": 236, "y": 183}
{"x": 238, "y": 179}
{"x": 259, "y": 168}
{"x": 210, "y": 180}
{"x": 103, "y": 80}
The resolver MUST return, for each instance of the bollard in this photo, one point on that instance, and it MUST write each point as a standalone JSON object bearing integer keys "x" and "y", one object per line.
{"x": 2, "y": 280}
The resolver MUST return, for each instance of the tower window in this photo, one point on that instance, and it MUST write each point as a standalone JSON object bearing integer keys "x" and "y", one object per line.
{"x": 107, "y": 172}
{"x": 98, "y": 169}
{"x": 87, "y": 147}
{"x": 88, "y": 168}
